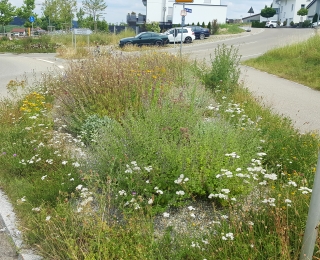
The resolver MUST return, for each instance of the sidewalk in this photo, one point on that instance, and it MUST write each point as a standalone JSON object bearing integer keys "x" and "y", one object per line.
{"x": 287, "y": 98}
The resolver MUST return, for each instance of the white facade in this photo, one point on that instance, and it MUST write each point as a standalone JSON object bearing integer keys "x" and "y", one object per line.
{"x": 287, "y": 10}
{"x": 202, "y": 11}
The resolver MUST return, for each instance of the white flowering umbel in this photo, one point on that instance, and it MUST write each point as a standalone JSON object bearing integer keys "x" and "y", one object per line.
{"x": 270, "y": 201}
{"x": 228, "y": 236}
{"x": 222, "y": 195}
{"x": 181, "y": 179}
{"x": 85, "y": 196}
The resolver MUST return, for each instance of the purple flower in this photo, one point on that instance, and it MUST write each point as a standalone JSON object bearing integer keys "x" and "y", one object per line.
{"x": 14, "y": 155}
{"x": 133, "y": 193}
{"x": 4, "y": 153}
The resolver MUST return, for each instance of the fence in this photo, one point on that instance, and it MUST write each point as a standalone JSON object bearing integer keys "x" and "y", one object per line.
{"x": 137, "y": 28}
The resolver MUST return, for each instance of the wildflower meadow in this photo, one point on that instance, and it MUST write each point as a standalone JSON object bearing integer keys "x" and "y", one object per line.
{"x": 154, "y": 157}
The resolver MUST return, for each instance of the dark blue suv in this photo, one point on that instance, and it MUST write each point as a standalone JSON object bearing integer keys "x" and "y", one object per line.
{"x": 200, "y": 32}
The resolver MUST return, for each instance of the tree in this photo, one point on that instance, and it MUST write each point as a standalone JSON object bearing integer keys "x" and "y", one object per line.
{"x": 51, "y": 10}
{"x": 153, "y": 27}
{"x": 80, "y": 16}
{"x": 302, "y": 12}
{"x": 26, "y": 10}
{"x": 209, "y": 26}
{"x": 203, "y": 25}
{"x": 268, "y": 12}
{"x": 93, "y": 7}
{"x": 59, "y": 12}
{"x": 66, "y": 9}
{"x": 7, "y": 13}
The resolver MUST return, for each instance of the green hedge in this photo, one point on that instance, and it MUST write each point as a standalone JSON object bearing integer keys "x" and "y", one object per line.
{"x": 256, "y": 24}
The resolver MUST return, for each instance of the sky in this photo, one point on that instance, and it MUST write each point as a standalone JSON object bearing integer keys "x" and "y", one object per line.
{"x": 117, "y": 10}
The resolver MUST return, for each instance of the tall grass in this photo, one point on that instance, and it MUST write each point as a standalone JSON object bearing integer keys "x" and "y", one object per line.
{"x": 133, "y": 157}
{"x": 229, "y": 29}
{"x": 298, "y": 62}
{"x": 63, "y": 44}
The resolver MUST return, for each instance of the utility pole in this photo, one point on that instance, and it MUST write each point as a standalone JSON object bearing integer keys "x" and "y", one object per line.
{"x": 311, "y": 231}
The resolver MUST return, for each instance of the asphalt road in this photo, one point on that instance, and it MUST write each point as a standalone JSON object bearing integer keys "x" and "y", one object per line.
{"x": 25, "y": 66}
{"x": 250, "y": 44}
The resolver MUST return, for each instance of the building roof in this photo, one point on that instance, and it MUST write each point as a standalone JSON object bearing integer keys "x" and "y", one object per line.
{"x": 19, "y": 30}
{"x": 251, "y": 16}
{"x": 309, "y": 5}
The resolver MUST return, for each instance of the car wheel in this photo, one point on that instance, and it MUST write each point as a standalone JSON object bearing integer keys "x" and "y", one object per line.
{"x": 188, "y": 40}
{"x": 158, "y": 43}
{"x": 271, "y": 26}
{"x": 128, "y": 44}
{"x": 201, "y": 37}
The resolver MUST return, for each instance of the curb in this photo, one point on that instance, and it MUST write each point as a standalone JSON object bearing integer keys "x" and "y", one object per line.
{"x": 8, "y": 219}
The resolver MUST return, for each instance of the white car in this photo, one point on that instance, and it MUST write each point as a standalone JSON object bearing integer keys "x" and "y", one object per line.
{"x": 174, "y": 35}
{"x": 271, "y": 24}
{"x": 315, "y": 24}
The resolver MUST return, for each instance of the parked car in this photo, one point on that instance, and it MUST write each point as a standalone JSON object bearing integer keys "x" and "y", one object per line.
{"x": 174, "y": 35}
{"x": 145, "y": 38}
{"x": 271, "y": 24}
{"x": 200, "y": 32}
{"x": 316, "y": 24}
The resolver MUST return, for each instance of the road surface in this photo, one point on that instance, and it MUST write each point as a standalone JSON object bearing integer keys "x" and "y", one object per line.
{"x": 21, "y": 66}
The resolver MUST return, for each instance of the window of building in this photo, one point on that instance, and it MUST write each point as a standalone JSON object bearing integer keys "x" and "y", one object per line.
{"x": 286, "y": 2}
{"x": 284, "y": 14}
{"x": 303, "y": 6}
{"x": 292, "y": 7}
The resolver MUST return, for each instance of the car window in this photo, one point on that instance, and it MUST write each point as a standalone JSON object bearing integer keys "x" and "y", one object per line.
{"x": 145, "y": 35}
{"x": 138, "y": 35}
{"x": 171, "y": 31}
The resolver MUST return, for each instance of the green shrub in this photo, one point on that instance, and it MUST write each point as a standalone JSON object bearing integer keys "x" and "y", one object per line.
{"x": 92, "y": 126}
{"x": 257, "y": 24}
{"x": 215, "y": 27}
{"x": 153, "y": 27}
{"x": 306, "y": 24}
{"x": 209, "y": 27}
{"x": 224, "y": 71}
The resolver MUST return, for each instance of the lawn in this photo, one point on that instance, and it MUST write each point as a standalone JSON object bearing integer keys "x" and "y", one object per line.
{"x": 154, "y": 157}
